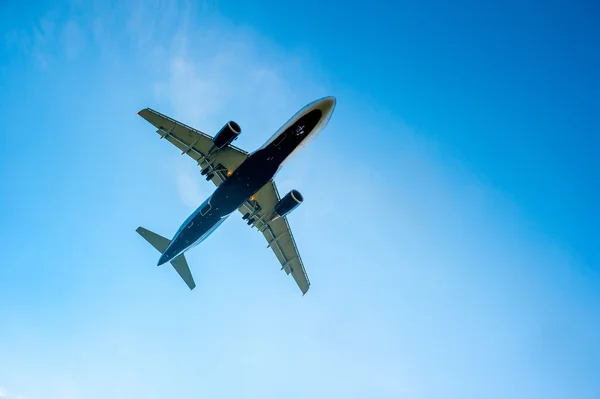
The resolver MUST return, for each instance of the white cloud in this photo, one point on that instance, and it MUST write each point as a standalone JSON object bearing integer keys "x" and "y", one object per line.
{"x": 188, "y": 185}
{"x": 193, "y": 93}
{"x": 4, "y": 394}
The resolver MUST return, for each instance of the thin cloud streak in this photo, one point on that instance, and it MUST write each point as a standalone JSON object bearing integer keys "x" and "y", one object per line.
{"x": 188, "y": 185}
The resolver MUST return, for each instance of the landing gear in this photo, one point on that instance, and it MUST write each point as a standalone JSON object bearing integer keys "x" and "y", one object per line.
{"x": 253, "y": 216}
{"x": 211, "y": 170}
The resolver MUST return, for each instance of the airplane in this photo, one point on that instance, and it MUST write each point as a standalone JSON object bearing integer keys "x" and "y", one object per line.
{"x": 244, "y": 182}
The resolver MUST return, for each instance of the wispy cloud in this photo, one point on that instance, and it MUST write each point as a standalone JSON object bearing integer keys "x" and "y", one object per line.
{"x": 189, "y": 90}
{"x": 188, "y": 185}
{"x": 5, "y": 394}
{"x": 36, "y": 42}
{"x": 217, "y": 80}
{"x": 72, "y": 38}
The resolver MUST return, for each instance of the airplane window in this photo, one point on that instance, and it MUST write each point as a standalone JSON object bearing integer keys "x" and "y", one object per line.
{"x": 279, "y": 140}
{"x": 205, "y": 209}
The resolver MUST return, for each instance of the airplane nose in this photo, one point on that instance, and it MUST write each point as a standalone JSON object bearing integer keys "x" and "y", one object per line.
{"x": 329, "y": 103}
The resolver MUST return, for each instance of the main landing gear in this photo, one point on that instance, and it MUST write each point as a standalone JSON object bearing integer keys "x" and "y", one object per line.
{"x": 209, "y": 172}
{"x": 253, "y": 216}
{"x": 249, "y": 219}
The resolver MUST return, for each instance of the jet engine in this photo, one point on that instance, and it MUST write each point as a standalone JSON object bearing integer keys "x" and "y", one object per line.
{"x": 287, "y": 204}
{"x": 227, "y": 134}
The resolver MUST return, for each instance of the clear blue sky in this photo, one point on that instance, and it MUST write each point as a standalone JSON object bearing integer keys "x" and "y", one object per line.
{"x": 450, "y": 221}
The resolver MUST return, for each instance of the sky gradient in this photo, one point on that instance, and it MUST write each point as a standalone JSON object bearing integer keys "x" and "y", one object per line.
{"x": 449, "y": 227}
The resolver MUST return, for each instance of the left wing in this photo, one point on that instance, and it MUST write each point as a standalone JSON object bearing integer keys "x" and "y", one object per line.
{"x": 196, "y": 144}
{"x": 277, "y": 232}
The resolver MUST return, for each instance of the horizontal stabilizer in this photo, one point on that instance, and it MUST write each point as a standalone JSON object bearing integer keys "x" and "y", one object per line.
{"x": 180, "y": 264}
{"x": 158, "y": 242}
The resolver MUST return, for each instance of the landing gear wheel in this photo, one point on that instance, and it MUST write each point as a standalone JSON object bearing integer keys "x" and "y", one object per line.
{"x": 246, "y": 216}
{"x": 204, "y": 171}
{"x": 210, "y": 176}
{"x": 250, "y": 221}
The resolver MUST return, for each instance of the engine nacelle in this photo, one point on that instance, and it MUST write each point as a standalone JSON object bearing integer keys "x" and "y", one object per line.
{"x": 227, "y": 134}
{"x": 288, "y": 203}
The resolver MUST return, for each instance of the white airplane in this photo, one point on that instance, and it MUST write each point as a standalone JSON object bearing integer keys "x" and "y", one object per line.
{"x": 244, "y": 182}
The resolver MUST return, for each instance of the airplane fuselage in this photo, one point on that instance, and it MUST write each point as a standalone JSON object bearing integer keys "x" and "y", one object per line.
{"x": 257, "y": 170}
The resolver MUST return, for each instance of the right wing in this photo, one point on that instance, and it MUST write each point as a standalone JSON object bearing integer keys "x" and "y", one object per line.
{"x": 277, "y": 233}
{"x": 196, "y": 144}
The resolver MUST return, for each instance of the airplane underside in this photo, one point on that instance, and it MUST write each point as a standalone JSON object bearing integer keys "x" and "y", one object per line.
{"x": 247, "y": 182}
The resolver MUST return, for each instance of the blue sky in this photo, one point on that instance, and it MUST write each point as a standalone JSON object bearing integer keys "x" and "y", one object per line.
{"x": 449, "y": 226}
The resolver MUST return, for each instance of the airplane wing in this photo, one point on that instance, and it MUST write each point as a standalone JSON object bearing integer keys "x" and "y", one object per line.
{"x": 277, "y": 233}
{"x": 196, "y": 144}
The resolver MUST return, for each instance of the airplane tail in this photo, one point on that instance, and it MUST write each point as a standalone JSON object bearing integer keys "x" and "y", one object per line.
{"x": 179, "y": 263}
